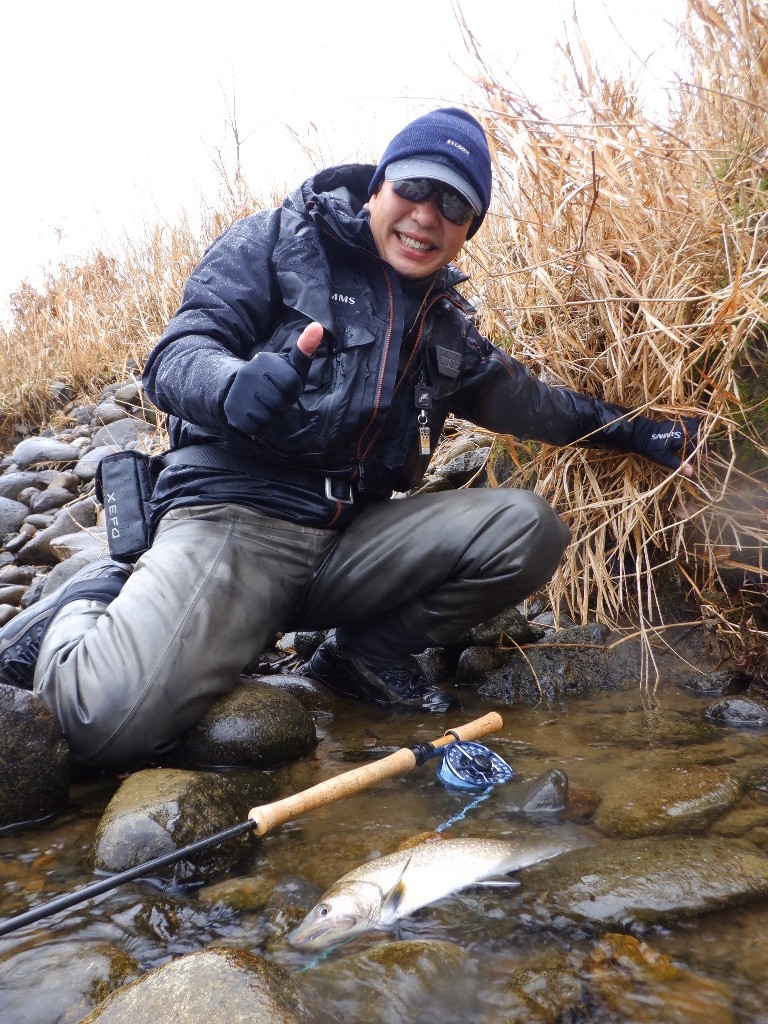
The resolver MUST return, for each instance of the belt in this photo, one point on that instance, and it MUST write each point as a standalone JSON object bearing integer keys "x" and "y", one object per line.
{"x": 215, "y": 456}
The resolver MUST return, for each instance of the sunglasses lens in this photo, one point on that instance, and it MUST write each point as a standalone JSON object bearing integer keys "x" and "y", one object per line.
{"x": 454, "y": 208}
{"x": 415, "y": 190}
{"x": 418, "y": 190}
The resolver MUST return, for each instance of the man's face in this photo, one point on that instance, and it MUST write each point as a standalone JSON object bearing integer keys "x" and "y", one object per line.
{"x": 414, "y": 238}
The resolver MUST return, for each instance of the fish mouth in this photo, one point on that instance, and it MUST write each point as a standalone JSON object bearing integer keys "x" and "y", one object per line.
{"x": 320, "y": 934}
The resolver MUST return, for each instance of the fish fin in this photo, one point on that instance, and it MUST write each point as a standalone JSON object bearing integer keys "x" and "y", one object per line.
{"x": 499, "y": 883}
{"x": 391, "y": 900}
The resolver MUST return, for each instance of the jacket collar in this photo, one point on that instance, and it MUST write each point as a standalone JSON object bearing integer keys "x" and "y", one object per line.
{"x": 337, "y": 197}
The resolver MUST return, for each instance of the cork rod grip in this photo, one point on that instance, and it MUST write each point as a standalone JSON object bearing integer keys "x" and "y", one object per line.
{"x": 268, "y": 816}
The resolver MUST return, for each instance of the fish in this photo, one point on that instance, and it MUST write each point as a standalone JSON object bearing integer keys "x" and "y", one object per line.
{"x": 378, "y": 893}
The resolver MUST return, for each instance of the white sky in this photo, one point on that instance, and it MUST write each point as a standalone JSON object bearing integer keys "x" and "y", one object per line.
{"x": 111, "y": 114}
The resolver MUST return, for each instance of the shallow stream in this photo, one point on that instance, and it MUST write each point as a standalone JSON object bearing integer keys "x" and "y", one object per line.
{"x": 592, "y": 740}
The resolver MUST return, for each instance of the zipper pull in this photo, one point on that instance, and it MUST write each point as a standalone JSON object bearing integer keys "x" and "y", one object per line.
{"x": 423, "y": 402}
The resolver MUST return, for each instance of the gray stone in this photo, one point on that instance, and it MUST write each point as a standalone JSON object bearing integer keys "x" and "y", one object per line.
{"x": 88, "y": 466}
{"x": 507, "y": 628}
{"x": 747, "y": 712}
{"x": 39, "y": 550}
{"x": 12, "y": 515}
{"x": 121, "y": 433}
{"x": 256, "y": 725}
{"x": 642, "y": 882}
{"x": 160, "y": 810}
{"x": 34, "y": 759}
{"x": 667, "y": 800}
{"x": 213, "y": 985}
{"x": 33, "y": 451}
{"x": 92, "y": 543}
{"x": 78, "y": 975}
{"x": 400, "y": 982}
{"x": 50, "y": 498}
{"x": 571, "y": 663}
{"x": 12, "y": 484}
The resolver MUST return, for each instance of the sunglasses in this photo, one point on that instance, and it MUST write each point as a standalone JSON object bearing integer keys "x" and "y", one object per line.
{"x": 452, "y": 206}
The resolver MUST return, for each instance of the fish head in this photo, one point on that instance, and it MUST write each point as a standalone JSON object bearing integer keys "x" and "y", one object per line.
{"x": 343, "y": 912}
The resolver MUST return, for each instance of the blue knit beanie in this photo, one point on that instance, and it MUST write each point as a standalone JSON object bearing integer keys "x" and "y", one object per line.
{"x": 458, "y": 142}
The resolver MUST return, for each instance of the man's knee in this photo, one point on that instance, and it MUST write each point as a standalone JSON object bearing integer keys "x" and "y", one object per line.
{"x": 535, "y": 537}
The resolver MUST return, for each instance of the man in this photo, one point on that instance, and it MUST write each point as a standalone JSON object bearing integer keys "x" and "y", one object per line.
{"x": 317, "y": 351}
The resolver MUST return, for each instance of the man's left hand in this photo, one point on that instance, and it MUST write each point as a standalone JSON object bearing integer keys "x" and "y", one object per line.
{"x": 666, "y": 442}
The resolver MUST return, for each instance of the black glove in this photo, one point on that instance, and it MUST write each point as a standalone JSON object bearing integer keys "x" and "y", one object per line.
{"x": 265, "y": 387}
{"x": 666, "y": 442}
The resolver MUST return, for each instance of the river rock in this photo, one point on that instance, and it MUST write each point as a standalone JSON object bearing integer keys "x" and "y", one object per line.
{"x": 635, "y": 883}
{"x": 38, "y": 550}
{"x": 722, "y": 682}
{"x": 508, "y": 628}
{"x": 76, "y": 977}
{"x": 639, "y": 728}
{"x": 34, "y": 759}
{"x": 12, "y": 515}
{"x": 662, "y": 801}
{"x": 746, "y": 712}
{"x": 256, "y": 725}
{"x": 122, "y": 433}
{"x": 545, "y": 793}
{"x": 212, "y": 986}
{"x": 49, "y": 499}
{"x": 630, "y": 981}
{"x": 397, "y": 982}
{"x": 34, "y": 451}
{"x": 159, "y": 810}
{"x": 12, "y": 483}
{"x": 88, "y": 466}
{"x": 567, "y": 664}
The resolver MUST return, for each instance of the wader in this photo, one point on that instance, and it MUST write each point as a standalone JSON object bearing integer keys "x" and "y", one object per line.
{"x": 125, "y": 680}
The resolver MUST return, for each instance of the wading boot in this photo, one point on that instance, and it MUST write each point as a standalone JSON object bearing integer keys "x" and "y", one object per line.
{"x": 20, "y": 639}
{"x": 402, "y": 683}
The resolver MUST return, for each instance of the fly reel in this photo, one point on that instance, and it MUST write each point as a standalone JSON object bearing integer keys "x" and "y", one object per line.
{"x": 472, "y": 766}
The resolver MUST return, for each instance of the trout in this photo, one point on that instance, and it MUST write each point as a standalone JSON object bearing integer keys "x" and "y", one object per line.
{"x": 380, "y": 892}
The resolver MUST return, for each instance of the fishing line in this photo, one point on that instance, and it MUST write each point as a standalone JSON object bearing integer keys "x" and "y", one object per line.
{"x": 470, "y": 767}
{"x": 481, "y": 798}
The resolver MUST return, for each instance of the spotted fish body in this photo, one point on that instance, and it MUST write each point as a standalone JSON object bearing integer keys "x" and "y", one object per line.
{"x": 380, "y": 892}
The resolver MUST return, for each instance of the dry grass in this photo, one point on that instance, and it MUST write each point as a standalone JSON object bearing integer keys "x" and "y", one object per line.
{"x": 624, "y": 258}
{"x": 627, "y": 259}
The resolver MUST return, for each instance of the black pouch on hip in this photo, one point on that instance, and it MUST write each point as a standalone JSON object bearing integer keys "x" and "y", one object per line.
{"x": 124, "y": 485}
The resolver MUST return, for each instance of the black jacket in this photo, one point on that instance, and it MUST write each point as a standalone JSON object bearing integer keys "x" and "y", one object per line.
{"x": 314, "y": 259}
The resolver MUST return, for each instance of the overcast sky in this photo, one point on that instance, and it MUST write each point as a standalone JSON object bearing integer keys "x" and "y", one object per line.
{"x": 112, "y": 114}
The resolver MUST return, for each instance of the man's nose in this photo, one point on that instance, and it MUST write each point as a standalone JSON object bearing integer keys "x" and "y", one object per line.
{"x": 427, "y": 214}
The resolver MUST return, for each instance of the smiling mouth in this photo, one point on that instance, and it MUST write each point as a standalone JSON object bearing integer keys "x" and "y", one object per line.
{"x": 411, "y": 243}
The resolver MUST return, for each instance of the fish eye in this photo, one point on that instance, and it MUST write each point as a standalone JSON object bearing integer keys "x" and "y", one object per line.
{"x": 323, "y": 910}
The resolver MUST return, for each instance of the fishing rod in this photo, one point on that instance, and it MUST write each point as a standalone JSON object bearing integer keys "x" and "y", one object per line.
{"x": 263, "y": 819}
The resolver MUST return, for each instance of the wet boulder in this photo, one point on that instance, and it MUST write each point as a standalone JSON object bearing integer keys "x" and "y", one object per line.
{"x": 399, "y": 981}
{"x": 216, "y": 984}
{"x": 629, "y": 980}
{"x": 34, "y": 759}
{"x": 638, "y": 728}
{"x": 743, "y": 712}
{"x": 570, "y": 663}
{"x": 722, "y": 682}
{"x": 509, "y": 627}
{"x": 76, "y": 977}
{"x": 546, "y": 793}
{"x": 636, "y": 883}
{"x": 159, "y": 810}
{"x": 662, "y": 801}
{"x": 256, "y": 725}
